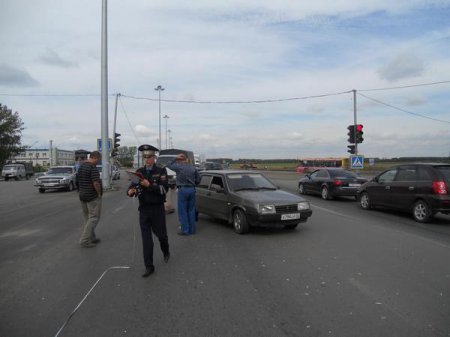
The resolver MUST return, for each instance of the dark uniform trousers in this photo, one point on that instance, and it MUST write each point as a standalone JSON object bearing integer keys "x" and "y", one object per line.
{"x": 152, "y": 218}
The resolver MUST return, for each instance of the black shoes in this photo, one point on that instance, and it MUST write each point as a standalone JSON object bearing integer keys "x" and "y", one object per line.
{"x": 148, "y": 271}
{"x": 88, "y": 245}
{"x": 96, "y": 240}
{"x": 166, "y": 257}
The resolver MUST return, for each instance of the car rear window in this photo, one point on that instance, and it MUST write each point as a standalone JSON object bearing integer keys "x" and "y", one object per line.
{"x": 445, "y": 172}
{"x": 342, "y": 174}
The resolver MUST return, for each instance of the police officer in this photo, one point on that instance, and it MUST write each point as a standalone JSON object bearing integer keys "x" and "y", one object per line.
{"x": 151, "y": 191}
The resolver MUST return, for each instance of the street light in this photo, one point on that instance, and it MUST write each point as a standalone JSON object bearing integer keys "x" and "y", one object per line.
{"x": 166, "y": 118}
{"x": 159, "y": 89}
{"x": 170, "y": 138}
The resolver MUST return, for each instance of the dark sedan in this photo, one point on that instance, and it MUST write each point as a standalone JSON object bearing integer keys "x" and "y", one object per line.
{"x": 422, "y": 189}
{"x": 331, "y": 182}
{"x": 248, "y": 199}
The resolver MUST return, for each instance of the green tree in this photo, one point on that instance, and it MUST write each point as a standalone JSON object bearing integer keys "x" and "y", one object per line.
{"x": 11, "y": 127}
{"x": 125, "y": 155}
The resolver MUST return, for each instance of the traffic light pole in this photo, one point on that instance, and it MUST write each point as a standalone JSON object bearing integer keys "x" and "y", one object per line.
{"x": 354, "y": 120}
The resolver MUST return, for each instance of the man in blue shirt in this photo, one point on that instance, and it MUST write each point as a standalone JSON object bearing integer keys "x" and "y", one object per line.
{"x": 187, "y": 178}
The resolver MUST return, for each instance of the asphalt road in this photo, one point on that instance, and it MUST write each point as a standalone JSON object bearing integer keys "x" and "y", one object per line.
{"x": 346, "y": 272}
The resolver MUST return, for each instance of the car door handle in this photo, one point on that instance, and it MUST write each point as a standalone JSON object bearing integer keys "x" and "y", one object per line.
{"x": 388, "y": 187}
{"x": 411, "y": 188}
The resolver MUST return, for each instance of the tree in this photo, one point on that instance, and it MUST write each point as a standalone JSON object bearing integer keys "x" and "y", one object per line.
{"x": 11, "y": 127}
{"x": 126, "y": 155}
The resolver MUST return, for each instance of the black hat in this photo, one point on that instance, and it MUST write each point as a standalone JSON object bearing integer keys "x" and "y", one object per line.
{"x": 148, "y": 150}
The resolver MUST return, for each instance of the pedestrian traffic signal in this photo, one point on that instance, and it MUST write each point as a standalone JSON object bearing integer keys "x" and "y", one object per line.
{"x": 359, "y": 133}
{"x": 351, "y": 149}
{"x": 351, "y": 134}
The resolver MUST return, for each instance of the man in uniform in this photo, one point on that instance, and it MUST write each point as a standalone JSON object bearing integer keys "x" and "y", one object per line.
{"x": 151, "y": 191}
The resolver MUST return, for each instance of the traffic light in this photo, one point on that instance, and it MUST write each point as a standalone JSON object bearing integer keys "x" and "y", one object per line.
{"x": 359, "y": 133}
{"x": 351, "y": 149}
{"x": 351, "y": 134}
{"x": 116, "y": 144}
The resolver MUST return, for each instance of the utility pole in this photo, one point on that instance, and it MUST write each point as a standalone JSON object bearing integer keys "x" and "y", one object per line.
{"x": 354, "y": 120}
{"x": 104, "y": 97}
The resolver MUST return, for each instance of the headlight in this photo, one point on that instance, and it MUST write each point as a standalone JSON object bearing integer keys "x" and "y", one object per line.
{"x": 63, "y": 181}
{"x": 301, "y": 206}
{"x": 267, "y": 209}
{"x": 37, "y": 181}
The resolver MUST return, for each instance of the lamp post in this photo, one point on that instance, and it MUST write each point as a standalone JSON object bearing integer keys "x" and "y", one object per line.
{"x": 166, "y": 118}
{"x": 170, "y": 138}
{"x": 159, "y": 89}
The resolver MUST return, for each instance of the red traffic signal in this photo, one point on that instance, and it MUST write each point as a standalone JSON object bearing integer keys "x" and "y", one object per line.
{"x": 359, "y": 133}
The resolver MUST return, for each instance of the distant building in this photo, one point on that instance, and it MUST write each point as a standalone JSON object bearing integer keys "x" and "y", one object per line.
{"x": 47, "y": 157}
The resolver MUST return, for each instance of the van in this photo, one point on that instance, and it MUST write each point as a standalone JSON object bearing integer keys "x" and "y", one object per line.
{"x": 17, "y": 171}
{"x": 166, "y": 156}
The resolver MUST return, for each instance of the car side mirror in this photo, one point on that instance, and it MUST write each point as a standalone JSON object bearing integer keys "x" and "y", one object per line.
{"x": 220, "y": 190}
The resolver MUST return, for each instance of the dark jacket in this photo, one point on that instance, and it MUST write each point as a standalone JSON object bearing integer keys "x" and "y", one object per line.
{"x": 155, "y": 194}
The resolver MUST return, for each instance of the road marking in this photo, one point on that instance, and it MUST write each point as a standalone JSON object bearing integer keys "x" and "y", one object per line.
{"x": 84, "y": 298}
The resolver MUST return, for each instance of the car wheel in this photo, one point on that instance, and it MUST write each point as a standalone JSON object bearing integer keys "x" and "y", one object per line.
{"x": 301, "y": 189}
{"x": 325, "y": 193}
{"x": 41, "y": 190}
{"x": 240, "y": 222}
{"x": 291, "y": 226}
{"x": 364, "y": 201}
{"x": 422, "y": 212}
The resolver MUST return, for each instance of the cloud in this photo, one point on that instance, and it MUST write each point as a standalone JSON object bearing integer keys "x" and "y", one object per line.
{"x": 401, "y": 67}
{"x": 14, "y": 77}
{"x": 53, "y": 59}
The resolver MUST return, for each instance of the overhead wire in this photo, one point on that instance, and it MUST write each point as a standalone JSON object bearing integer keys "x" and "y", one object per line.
{"x": 400, "y": 109}
{"x": 128, "y": 120}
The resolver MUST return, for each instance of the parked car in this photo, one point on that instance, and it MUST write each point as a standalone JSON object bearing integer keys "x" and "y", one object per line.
{"x": 17, "y": 170}
{"x": 422, "y": 189}
{"x": 210, "y": 165}
{"x": 331, "y": 182}
{"x": 59, "y": 178}
{"x": 248, "y": 199}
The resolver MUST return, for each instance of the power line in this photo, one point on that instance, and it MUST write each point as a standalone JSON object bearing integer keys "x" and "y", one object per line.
{"x": 406, "y": 86}
{"x": 239, "y": 102}
{"x": 129, "y": 123}
{"x": 397, "y": 108}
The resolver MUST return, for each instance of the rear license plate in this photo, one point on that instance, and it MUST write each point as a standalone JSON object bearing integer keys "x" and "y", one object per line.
{"x": 354, "y": 185}
{"x": 290, "y": 216}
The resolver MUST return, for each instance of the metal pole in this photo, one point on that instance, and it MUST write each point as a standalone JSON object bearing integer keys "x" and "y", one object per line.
{"x": 354, "y": 120}
{"x": 166, "y": 118}
{"x": 159, "y": 89}
{"x": 104, "y": 97}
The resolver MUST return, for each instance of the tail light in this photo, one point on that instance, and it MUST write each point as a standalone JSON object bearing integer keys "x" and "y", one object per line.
{"x": 337, "y": 182}
{"x": 439, "y": 187}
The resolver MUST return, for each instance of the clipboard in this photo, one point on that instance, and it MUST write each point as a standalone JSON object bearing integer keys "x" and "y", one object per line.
{"x": 135, "y": 177}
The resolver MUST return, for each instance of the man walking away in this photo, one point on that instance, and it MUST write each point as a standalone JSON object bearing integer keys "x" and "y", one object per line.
{"x": 187, "y": 178}
{"x": 90, "y": 194}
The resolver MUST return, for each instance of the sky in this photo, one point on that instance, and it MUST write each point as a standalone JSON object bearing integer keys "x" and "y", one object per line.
{"x": 242, "y": 79}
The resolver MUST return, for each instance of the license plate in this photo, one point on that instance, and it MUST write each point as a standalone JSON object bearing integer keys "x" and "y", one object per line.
{"x": 290, "y": 216}
{"x": 354, "y": 185}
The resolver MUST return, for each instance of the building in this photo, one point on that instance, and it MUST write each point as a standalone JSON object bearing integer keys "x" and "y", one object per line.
{"x": 47, "y": 157}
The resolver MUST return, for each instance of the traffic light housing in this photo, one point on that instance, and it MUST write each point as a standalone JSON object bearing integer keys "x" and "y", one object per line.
{"x": 351, "y": 134}
{"x": 351, "y": 149}
{"x": 359, "y": 133}
{"x": 114, "y": 151}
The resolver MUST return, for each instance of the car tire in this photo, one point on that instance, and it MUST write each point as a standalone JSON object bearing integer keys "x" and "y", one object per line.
{"x": 70, "y": 187}
{"x": 422, "y": 212}
{"x": 364, "y": 201}
{"x": 41, "y": 190}
{"x": 301, "y": 189}
{"x": 325, "y": 193}
{"x": 240, "y": 223}
{"x": 290, "y": 227}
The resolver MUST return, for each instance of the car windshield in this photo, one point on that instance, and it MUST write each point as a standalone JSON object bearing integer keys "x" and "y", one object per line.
{"x": 60, "y": 170}
{"x": 249, "y": 181}
{"x": 342, "y": 174}
{"x": 163, "y": 161}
